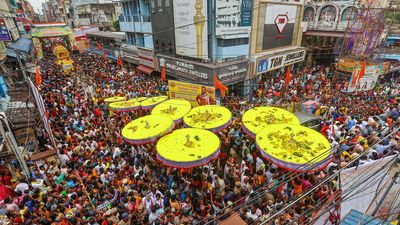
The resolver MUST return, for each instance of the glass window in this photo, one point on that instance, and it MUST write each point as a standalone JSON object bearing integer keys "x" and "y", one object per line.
{"x": 160, "y": 6}
{"x": 166, "y": 3}
{"x": 153, "y": 6}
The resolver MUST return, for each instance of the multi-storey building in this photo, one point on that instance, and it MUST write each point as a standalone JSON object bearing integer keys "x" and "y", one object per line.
{"x": 99, "y": 13}
{"x": 135, "y": 21}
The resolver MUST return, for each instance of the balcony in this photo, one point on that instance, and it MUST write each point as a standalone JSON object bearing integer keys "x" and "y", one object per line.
{"x": 136, "y": 24}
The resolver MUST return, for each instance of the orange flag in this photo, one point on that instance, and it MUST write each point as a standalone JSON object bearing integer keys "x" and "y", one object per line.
{"x": 287, "y": 78}
{"x": 38, "y": 76}
{"x": 119, "y": 62}
{"x": 105, "y": 56}
{"x": 99, "y": 45}
{"x": 362, "y": 71}
{"x": 164, "y": 73}
{"x": 218, "y": 85}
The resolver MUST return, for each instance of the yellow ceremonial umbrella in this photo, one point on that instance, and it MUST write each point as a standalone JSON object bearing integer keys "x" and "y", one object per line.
{"x": 138, "y": 99}
{"x": 174, "y": 108}
{"x": 124, "y": 106}
{"x": 147, "y": 129}
{"x": 149, "y": 103}
{"x": 294, "y": 147}
{"x": 114, "y": 99}
{"x": 209, "y": 117}
{"x": 256, "y": 119}
{"x": 187, "y": 148}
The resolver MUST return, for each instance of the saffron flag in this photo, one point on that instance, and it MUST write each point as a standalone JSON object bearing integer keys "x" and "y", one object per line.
{"x": 362, "y": 71}
{"x": 287, "y": 78}
{"x": 164, "y": 73}
{"x": 119, "y": 62}
{"x": 218, "y": 85}
{"x": 38, "y": 76}
{"x": 99, "y": 45}
{"x": 105, "y": 56}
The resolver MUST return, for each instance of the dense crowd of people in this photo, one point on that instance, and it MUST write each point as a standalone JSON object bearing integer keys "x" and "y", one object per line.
{"x": 99, "y": 179}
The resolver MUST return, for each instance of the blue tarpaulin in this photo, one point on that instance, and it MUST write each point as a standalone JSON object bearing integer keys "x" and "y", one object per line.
{"x": 355, "y": 217}
{"x": 22, "y": 44}
{"x": 3, "y": 87}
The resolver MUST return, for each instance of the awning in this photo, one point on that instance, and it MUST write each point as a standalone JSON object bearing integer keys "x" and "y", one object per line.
{"x": 22, "y": 44}
{"x": 13, "y": 54}
{"x": 145, "y": 69}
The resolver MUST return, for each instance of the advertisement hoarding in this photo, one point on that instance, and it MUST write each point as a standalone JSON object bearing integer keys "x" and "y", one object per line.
{"x": 4, "y": 34}
{"x": 196, "y": 94}
{"x": 190, "y": 18}
{"x": 279, "y": 26}
{"x": 232, "y": 73}
{"x": 233, "y": 18}
{"x": 366, "y": 82}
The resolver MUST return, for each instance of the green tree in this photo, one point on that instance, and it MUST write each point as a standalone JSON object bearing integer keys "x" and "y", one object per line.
{"x": 115, "y": 25}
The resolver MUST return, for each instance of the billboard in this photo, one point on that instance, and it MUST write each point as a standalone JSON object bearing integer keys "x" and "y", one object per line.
{"x": 4, "y": 34}
{"x": 233, "y": 18}
{"x": 366, "y": 82}
{"x": 196, "y": 94}
{"x": 279, "y": 25}
{"x": 190, "y": 18}
{"x": 273, "y": 62}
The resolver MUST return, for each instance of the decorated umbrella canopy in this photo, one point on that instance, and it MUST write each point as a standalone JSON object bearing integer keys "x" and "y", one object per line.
{"x": 114, "y": 99}
{"x": 209, "y": 117}
{"x": 294, "y": 147}
{"x": 147, "y": 129}
{"x": 124, "y": 106}
{"x": 174, "y": 108}
{"x": 153, "y": 101}
{"x": 187, "y": 148}
{"x": 256, "y": 119}
{"x": 138, "y": 99}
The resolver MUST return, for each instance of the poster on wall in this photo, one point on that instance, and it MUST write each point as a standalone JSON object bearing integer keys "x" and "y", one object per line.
{"x": 196, "y": 94}
{"x": 4, "y": 34}
{"x": 233, "y": 18}
{"x": 366, "y": 82}
{"x": 279, "y": 26}
{"x": 190, "y": 18}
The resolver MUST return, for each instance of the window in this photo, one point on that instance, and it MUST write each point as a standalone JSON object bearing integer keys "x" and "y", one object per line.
{"x": 166, "y": 3}
{"x": 153, "y": 6}
{"x": 232, "y": 42}
{"x": 160, "y": 6}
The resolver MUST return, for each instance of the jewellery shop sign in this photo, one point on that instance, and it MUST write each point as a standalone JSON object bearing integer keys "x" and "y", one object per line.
{"x": 187, "y": 70}
{"x": 276, "y": 62}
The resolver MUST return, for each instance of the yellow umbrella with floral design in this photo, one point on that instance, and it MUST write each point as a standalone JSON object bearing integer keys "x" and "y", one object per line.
{"x": 149, "y": 103}
{"x": 294, "y": 147}
{"x": 188, "y": 148}
{"x": 256, "y": 119}
{"x": 147, "y": 129}
{"x": 174, "y": 108}
{"x": 124, "y": 106}
{"x": 209, "y": 117}
{"x": 114, "y": 99}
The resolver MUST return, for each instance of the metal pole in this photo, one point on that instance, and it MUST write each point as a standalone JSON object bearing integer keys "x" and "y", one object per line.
{"x": 385, "y": 194}
{"x": 18, "y": 54}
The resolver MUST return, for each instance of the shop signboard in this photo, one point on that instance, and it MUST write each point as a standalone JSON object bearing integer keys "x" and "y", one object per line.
{"x": 265, "y": 64}
{"x": 367, "y": 81}
{"x": 279, "y": 25}
{"x": 4, "y": 34}
{"x": 232, "y": 73}
{"x": 233, "y": 18}
{"x": 299, "y": 2}
{"x": 194, "y": 93}
{"x": 187, "y": 70}
{"x": 41, "y": 32}
{"x": 191, "y": 32}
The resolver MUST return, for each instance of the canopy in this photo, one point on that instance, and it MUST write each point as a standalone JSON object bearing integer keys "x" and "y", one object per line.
{"x": 125, "y": 106}
{"x": 174, "y": 108}
{"x": 114, "y": 99}
{"x": 187, "y": 148}
{"x": 147, "y": 129}
{"x": 153, "y": 101}
{"x": 294, "y": 147}
{"x": 209, "y": 117}
{"x": 256, "y": 119}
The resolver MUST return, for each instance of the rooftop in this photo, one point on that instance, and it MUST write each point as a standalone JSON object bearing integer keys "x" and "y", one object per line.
{"x": 107, "y": 34}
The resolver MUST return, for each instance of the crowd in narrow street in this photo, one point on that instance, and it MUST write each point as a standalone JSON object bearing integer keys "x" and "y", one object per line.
{"x": 102, "y": 180}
